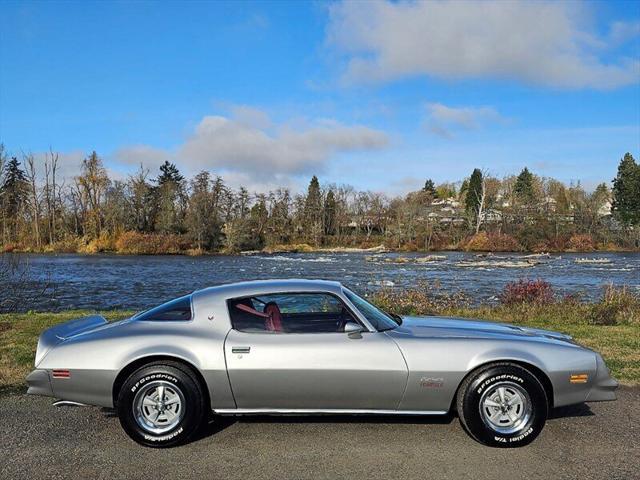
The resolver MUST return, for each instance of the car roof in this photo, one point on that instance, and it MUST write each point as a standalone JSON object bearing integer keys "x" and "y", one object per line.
{"x": 263, "y": 287}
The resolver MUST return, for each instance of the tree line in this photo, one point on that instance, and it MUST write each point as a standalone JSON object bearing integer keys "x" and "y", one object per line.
{"x": 164, "y": 212}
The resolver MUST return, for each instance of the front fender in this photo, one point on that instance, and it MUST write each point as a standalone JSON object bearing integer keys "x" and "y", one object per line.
{"x": 557, "y": 362}
{"x": 437, "y": 366}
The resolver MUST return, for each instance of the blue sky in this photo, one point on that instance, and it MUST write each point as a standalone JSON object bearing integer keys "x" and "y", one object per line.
{"x": 379, "y": 95}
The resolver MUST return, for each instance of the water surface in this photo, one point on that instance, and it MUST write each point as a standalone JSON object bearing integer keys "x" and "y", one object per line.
{"x": 137, "y": 282}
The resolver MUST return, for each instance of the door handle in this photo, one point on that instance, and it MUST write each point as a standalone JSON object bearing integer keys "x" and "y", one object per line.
{"x": 240, "y": 349}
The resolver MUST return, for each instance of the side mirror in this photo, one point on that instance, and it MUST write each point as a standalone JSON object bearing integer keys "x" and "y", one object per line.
{"x": 353, "y": 329}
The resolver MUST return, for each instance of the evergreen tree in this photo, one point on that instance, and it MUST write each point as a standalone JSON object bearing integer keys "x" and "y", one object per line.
{"x": 430, "y": 188}
{"x": 330, "y": 213}
{"x": 170, "y": 200}
{"x": 524, "y": 187}
{"x": 169, "y": 173}
{"x": 313, "y": 211}
{"x": 14, "y": 189}
{"x": 313, "y": 202}
{"x": 14, "y": 193}
{"x": 464, "y": 188}
{"x": 474, "y": 193}
{"x": 626, "y": 191}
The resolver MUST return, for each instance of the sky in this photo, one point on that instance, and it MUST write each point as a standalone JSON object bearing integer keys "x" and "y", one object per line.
{"x": 376, "y": 94}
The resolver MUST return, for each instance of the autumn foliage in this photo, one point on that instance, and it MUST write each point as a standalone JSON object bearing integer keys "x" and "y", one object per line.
{"x": 491, "y": 242}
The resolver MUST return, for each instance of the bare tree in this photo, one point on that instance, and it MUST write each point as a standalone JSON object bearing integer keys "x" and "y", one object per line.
{"x": 50, "y": 168}
{"x": 33, "y": 197}
{"x": 482, "y": 201}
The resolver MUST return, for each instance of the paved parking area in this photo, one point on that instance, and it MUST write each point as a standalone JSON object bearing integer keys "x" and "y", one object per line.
{"x": 599, "y": 441}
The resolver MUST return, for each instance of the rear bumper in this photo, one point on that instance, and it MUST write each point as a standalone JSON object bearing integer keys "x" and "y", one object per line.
{"x": 39, "y": 383}
{"x": 604, "y": 386}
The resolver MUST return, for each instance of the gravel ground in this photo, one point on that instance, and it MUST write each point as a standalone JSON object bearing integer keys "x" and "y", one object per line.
{"x": 598, "y": 441}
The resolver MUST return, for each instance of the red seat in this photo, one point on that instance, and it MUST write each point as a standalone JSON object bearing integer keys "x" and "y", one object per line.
{"x": 274, "y": 322}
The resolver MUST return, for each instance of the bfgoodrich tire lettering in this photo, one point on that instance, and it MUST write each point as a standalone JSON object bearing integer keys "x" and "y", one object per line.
{"x": 161, "y": 405}
{"x": 502, "y": 405}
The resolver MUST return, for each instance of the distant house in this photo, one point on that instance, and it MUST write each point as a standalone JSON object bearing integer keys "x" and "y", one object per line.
{"x": 549, "y": 204}
{"x": 605, "y": 209}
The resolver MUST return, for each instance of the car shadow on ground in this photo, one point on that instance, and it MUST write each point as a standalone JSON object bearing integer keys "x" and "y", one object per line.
{"x": 219, "y": 423}
{"x": 579, "y": 410}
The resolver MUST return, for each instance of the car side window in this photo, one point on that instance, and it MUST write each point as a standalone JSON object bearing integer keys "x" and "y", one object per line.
{"x": 290, "y": 313}
{"x": 178, "y": 309}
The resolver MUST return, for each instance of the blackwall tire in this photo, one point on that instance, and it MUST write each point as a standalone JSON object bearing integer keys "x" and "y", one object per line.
{"x": 503, "y": 405}
{"x": 161, "y": 405}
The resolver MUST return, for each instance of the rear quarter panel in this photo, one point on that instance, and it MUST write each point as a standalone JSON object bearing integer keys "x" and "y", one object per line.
{"x": 95, "y": 359}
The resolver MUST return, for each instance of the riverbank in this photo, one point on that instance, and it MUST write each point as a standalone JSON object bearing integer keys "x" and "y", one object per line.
{"x": 296, "y": 248}
{"x": 619, "y": 344}
{"x": 135, "y": 243}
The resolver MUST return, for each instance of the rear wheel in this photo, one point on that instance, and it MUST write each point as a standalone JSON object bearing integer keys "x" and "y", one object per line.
{"x": 161, "y": 405}
{"x": 502, "y": 405}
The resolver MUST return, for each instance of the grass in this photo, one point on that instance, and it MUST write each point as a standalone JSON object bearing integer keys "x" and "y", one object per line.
{"x": 19, "y": 334}
{"x": 619, "y": 344}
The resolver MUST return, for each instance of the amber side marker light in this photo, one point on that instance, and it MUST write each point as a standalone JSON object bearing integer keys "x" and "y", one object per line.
{"x": 61, "y": 374}
{"x": 579, "y": 378}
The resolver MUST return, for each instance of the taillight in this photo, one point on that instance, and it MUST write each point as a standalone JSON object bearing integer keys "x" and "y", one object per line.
{"x": 61, "y": 374}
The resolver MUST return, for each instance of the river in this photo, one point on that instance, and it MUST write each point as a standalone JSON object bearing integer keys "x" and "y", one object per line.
{"x": 137, "y": 282}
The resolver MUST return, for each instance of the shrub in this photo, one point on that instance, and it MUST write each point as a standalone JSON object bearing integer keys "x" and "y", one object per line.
{"x": 581, "y": 243}
{"x": 558, "y": 244}
{"x": 527, "y": 291}
{"x": 427, "y": 299}
{"x": 10, "y": 247}
{"x": 104, "y": 243}
{"x": 68, "y": 244}
{"x": 618, "y": 305}
{"x": 137, "y": 243}
{"x": 492, "y": 242}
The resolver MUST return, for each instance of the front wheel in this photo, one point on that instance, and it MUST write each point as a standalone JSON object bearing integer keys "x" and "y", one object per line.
{"x": 502, "y": 405}
{"x": 161, "y": 405}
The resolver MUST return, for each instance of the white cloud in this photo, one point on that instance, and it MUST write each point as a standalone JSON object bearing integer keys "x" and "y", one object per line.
{"x": 219, "y": 142}
{"x": 624, "y": 31}
{"x": 248, "y": 145}
{"x": 543, "y": 43}
{"x": 442, "y": 119}
{"x": 136, "y": 155}
{"x": 250, "y": 116}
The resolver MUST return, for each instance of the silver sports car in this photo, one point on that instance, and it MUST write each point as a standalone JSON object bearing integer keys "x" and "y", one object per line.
{"x": 312, "y": 347}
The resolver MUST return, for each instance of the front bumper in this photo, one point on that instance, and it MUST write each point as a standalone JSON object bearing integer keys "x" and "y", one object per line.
{"x": 39, "y": 383}
{"x": 604, "y": 386}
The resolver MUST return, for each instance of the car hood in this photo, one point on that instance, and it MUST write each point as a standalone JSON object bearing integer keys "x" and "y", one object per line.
{"x": 450, "y": 327}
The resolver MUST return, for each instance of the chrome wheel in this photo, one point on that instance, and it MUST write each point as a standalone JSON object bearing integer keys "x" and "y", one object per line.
{"x": 505, "y": 407}
{"x": 158, "y": 406}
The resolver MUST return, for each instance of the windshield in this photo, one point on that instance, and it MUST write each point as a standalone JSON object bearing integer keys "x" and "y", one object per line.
{"x": 377, "y": 318}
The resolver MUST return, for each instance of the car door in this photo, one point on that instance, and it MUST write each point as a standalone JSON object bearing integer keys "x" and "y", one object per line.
{"x": 319, "y": 370}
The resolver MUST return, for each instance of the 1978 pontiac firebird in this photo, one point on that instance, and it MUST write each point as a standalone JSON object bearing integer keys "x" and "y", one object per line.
{"x": 312, "y": 347}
